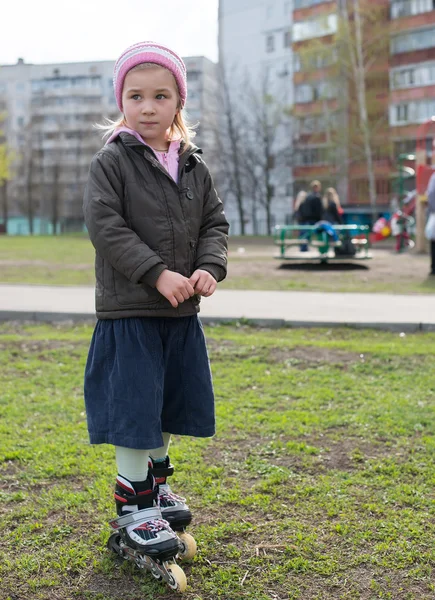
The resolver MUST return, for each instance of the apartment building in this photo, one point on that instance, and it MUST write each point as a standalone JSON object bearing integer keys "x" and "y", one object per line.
{"x": 412, "y": 70}
{"x": 51, "y": 111}
{"x": 255, "y": 47}
{"x": 329, "y": 138}
{"x": 202, "y": 105}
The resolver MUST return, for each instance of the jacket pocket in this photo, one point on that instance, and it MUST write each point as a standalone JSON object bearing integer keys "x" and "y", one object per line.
{"x": 134, "y": 294}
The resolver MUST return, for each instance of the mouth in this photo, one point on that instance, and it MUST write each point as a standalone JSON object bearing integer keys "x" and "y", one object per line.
{"x": 149, "y": 123}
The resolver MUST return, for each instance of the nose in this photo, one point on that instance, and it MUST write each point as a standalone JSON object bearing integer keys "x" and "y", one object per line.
{"x": 148, "y": 107}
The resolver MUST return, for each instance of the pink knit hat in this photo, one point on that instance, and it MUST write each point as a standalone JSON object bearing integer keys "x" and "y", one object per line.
{"x": 149, "y": 52}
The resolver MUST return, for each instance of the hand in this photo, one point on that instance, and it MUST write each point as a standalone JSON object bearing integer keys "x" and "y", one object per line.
{"x": 204, "y": 284}
{"x": 174, "y": 287}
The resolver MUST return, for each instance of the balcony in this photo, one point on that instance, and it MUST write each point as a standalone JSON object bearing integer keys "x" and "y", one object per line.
{"x": 407, "y": 8}
{"x": 307, "y": 3}
{"x": 315, "y": 28}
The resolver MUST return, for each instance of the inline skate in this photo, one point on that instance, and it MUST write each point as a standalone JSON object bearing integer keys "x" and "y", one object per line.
{"x": 174, "y": 508}
{"x": 142, "y": 535}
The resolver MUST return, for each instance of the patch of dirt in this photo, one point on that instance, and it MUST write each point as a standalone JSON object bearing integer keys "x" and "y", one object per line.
{"x": 49, "y": 265}
{"x": 344, "y": 454}
{"x": 306, "y": 356}
{"x": 387, "y": 268}
{"x": 37, "y": 348}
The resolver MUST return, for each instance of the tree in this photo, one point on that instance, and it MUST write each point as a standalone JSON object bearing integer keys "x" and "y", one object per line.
{"x": 6, "y": 162}
{"x": 230, "y": 147}
{"x": 266, "y": 154}
{"x": 354, "y": 62}
{"x": 250, "y": 146}
{"x": 364, "y": 42}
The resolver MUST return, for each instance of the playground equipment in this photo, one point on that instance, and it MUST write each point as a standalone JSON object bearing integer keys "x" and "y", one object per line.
{"x": 425, "y": 167}
{"x": 351, "y": 242}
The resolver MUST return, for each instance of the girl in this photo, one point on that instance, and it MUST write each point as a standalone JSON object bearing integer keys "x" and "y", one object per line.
{"x": 332, "y": 207}
{"x": 160, "y": 236}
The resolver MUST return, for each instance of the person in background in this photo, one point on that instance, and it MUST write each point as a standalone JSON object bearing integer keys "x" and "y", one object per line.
{"x": 311, "y": 209}
{"x": 332, "y": 211}
{"x": 300, "y": 198}
{"x": 430, "y": 226}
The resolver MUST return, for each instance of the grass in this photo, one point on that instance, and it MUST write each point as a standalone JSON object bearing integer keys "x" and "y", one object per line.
{"x": 318, "y": 485}
{"x": 68, "y": 260}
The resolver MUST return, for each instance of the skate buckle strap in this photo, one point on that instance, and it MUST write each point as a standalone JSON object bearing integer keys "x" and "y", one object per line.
{"x": 139, "y": 516}
{"x": 136, "y": 499}
{"x": 158, "y": 471}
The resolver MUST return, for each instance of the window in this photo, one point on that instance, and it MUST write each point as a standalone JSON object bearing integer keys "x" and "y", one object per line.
{"x": 423, "y": 74}
{"x": 287, "y": 39}
{"x": 311, "y": 61}
{"x": 404, "y": 147}
{"x": 316, "y": 91}
{"x": 312, "y": 156}
{"x": 306, "y": 3}
{"x": 412, "y": 112}
{"x": 404, "y": 8}
{"x": 313, "y": 28}
{"x": 304, "y": 93}
{"x": 270, "y": 43}
{"x": 414, "y": 40}
{"x": 402, "y": 112}
{"x": 193, "y": 75}
{"x": 296, "y": 62}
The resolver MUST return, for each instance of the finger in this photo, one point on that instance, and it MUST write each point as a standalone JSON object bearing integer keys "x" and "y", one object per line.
{"x": 173, "y": 301}
{"x": 201, "y": 284}
{"x": 199, "y": 288}
{"x": 185, "y": 294}
{"x": 179, "y": 296}
{"x": 194, "y": 278}
{"x": 190, "y": 289}
{"x": 210, "y": 290}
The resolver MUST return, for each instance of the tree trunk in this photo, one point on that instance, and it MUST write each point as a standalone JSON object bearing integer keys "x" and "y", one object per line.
{"x": 55, "y": 200}
{"x": 362, "y": 106}
{"x": 235, "y": 157}
{"x": 30, "y": 208}
{"x": 5, "y": 206}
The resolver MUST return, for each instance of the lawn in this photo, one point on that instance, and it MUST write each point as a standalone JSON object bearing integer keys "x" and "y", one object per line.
{"x": 68, "y": 260}
{"x": 318, "y": 485}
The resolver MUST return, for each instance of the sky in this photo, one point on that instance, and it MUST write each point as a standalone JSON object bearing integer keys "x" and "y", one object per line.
{"x": 50, "y": 31}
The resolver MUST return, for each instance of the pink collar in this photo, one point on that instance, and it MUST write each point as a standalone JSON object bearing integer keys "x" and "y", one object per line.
{"x": 174, "y": 145}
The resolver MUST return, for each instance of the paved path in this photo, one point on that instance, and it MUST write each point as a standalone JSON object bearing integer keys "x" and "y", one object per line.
{"x": 385, "y": 311}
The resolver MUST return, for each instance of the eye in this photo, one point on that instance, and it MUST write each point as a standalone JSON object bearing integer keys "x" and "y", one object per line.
{"x": 160, "y": 96}
{"x": 135, "y": 97}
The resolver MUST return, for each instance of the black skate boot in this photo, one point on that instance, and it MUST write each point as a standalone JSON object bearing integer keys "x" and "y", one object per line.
{"x": 142, "y": 536}
{"x": 140, "y": 519}
{"x": 174, "y": 508}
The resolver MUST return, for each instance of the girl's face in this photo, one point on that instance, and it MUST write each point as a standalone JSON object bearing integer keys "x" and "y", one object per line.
{"x": 150, "y": 103}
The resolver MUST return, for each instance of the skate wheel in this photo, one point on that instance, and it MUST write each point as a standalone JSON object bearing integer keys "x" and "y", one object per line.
{"x": 156, "y": 574}
{"x": 113, "y": 544}
{"x": 188, "y": 546}
{"x": 178, "y": 581}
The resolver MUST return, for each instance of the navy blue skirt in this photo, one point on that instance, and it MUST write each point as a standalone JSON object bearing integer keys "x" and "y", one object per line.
{"x": 145, "y": 376}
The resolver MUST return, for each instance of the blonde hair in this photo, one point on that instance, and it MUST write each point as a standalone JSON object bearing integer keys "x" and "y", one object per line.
{"x": 331, "y": 196}
{"x": 299, "y": 199}
{"x": 179, "y": 130}
{"x": 314, "y": 183}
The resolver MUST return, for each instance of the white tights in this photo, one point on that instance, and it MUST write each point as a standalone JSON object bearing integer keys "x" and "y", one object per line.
{"x": 133, "y": 464}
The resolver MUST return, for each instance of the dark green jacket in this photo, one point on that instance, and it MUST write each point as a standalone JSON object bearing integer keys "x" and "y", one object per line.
{"x": 141, "y": 222}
